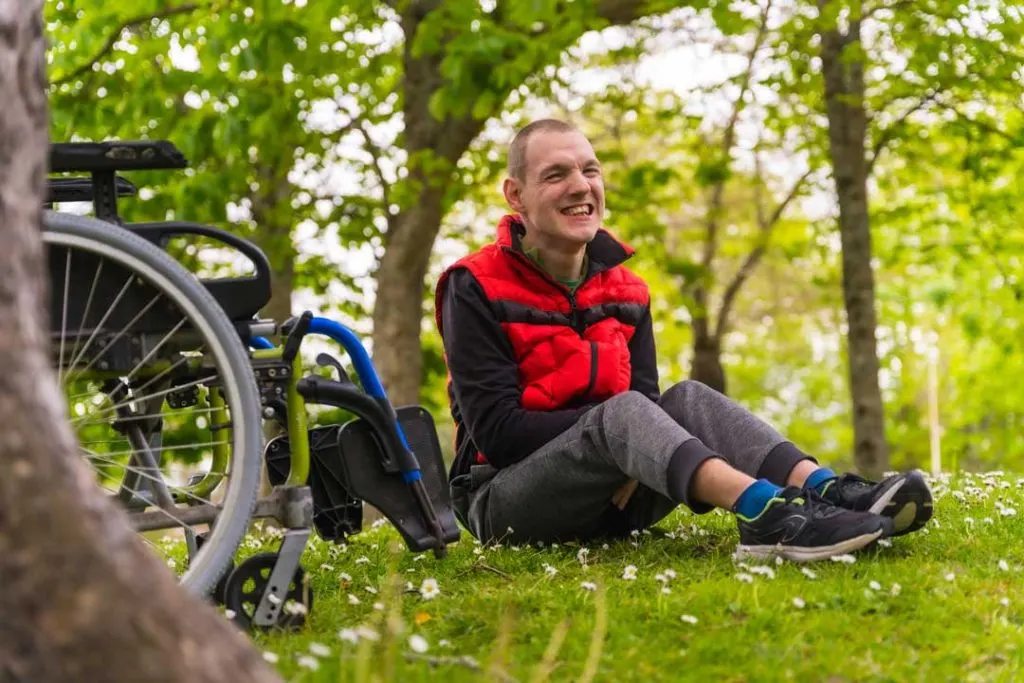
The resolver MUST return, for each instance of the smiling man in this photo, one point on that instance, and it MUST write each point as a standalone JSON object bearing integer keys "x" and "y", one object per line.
{"x": 562, "y": 432}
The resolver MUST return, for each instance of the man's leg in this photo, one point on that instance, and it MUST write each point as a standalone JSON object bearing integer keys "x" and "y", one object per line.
{"x": 752, "y": 446}
{"x": 564, "y": 490}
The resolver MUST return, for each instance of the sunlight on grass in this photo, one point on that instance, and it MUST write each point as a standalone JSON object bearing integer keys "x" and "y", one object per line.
{"x": 672, "y": 604}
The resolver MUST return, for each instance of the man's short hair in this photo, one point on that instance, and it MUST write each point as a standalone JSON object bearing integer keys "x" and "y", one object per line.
{"x": 517, "y": 148}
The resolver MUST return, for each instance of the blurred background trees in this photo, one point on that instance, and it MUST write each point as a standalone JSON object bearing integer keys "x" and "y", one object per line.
{"x": 823, "y": 194}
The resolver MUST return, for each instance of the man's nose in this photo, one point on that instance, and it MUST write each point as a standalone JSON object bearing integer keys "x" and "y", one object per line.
{"x": 578, "y": 183}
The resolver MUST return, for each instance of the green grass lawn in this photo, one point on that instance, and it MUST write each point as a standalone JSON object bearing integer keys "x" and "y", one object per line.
{"x": 944, "y": 604}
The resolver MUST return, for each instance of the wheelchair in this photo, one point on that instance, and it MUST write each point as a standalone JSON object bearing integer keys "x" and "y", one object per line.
{"x": 192, "y": 410}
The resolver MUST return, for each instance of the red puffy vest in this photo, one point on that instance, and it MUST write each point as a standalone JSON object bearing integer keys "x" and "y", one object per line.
{"x": 569, "y": 346}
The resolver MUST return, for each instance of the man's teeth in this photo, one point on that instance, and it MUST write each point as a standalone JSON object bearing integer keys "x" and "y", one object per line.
{"x": 577, "y": 211}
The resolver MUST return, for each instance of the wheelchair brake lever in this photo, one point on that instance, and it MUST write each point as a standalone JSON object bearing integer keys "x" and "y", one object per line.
{"x": 327, "y": 360}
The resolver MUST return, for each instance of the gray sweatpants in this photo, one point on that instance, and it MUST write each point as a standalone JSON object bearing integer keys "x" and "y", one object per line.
{"x": 563, "y": 490}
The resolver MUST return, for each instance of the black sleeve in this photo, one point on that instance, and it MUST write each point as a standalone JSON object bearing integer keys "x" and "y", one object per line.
{"x": 485, "y": 379}
{"x": 644, "y": 359}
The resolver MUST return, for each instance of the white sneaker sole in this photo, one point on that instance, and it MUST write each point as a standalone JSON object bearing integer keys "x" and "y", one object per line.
{"x": 886, "y": 498}
{"x": 805, "y": 554}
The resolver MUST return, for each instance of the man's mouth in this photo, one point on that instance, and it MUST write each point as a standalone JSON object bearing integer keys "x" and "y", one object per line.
{"x": 579, "y": 210}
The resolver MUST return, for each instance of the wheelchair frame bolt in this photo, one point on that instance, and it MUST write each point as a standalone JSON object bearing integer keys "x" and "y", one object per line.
{"x": 268, "y": 412}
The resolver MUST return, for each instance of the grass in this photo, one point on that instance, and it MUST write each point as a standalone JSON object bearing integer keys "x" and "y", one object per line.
{"x": 942, "y": 604}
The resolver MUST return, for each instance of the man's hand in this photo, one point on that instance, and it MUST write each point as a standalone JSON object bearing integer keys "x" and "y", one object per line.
{"x": 624, "y": 493}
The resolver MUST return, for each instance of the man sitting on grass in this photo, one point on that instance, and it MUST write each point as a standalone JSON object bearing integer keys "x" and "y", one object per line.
{"x": 562, "y": 432}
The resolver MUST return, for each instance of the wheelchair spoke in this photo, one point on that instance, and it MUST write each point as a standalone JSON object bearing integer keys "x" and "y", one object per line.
{"x": 171, "y": 449}
{"x": 64, "y": 317}
{"x": 146, "y": 474}
{"x": 118, "y": 336}
{"x": 88, "y": 306}
{"x": 164, "y": 392}
{"x": 99, "y": 325}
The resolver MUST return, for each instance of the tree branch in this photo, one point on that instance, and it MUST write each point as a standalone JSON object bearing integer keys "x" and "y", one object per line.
{"x": 754, "y": 257}
{"x": 728, "y": 140}
{"x": 375, "y": 154}
{"x": 982, "y": 125}
{"x": 112, "y": 39}
{"x": 890, "y": 132}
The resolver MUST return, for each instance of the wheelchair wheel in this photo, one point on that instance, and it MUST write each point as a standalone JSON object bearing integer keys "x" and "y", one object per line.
{"x": 160, "y": 392}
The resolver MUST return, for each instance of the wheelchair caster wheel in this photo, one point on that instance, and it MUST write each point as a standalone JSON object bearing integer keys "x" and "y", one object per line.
{"x": 287, "y": 605}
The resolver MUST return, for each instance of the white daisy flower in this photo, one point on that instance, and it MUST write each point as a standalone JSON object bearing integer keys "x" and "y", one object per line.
{"x": 1004, "y": 565}
{"x": 588, "y": 585}
{"x": 799, "y": 603}
{"x": 549, "y": 570}
{"x": 429, "y": 589}
{"x": 809, "y": 573}
{"x": 319, "y": 650}
{"x": 744, "y": 577}
{"x": 270, "y": 657}
{"x": 845, "y": 557}
{"x": 875, "y": 586}
{"x": 689, "y": 618}
{"x": 349, "y": 635}
{"x": 367, "y": 633}
{"x": 308, "y": 662}
{"x": 362, "y": 559}
{"x": 629, "y": 573}
{"x": 418, "y": 643}
{"x": 352, "y": 599}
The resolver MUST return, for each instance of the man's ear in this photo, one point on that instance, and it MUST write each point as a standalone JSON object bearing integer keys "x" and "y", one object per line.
{"x": 513, "y": 194}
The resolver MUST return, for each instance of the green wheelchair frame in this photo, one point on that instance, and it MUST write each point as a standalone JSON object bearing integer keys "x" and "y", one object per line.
{"x": 320, "y": 476}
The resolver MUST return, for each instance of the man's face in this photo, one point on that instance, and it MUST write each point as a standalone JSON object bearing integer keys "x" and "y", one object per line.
{"x": 561, "y": 196}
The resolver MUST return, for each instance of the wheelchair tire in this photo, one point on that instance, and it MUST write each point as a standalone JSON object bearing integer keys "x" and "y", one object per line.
{"x": 235, "y": 375}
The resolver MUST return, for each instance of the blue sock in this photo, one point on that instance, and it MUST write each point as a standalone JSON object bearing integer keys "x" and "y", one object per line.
{"x": 754, "y": 498}
{"x": 818, "y": 478}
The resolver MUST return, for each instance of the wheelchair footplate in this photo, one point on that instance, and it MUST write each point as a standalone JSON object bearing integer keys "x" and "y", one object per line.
{"x": 348, "y": 465}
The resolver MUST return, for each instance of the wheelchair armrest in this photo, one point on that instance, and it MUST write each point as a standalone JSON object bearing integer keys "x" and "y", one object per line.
{"x": 242, "y": 296}
{"x": 161, "y": 233}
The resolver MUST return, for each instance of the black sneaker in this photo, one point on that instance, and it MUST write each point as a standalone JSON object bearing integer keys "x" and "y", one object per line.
{"x": 801, "y": 526}
{"x": 905, "y": 498}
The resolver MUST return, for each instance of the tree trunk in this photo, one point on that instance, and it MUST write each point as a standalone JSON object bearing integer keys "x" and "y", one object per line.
{"x": 398, "y": 308}
{"x": 270, "y": 215}
{"x": 844, "y": 96}
{"x": 707, "y": 363}
{"x": 82, "y": 598}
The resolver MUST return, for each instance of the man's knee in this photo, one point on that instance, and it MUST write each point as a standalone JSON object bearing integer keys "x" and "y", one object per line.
{"x": 685, "y": 391}
{"x": 628, "y": 402}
